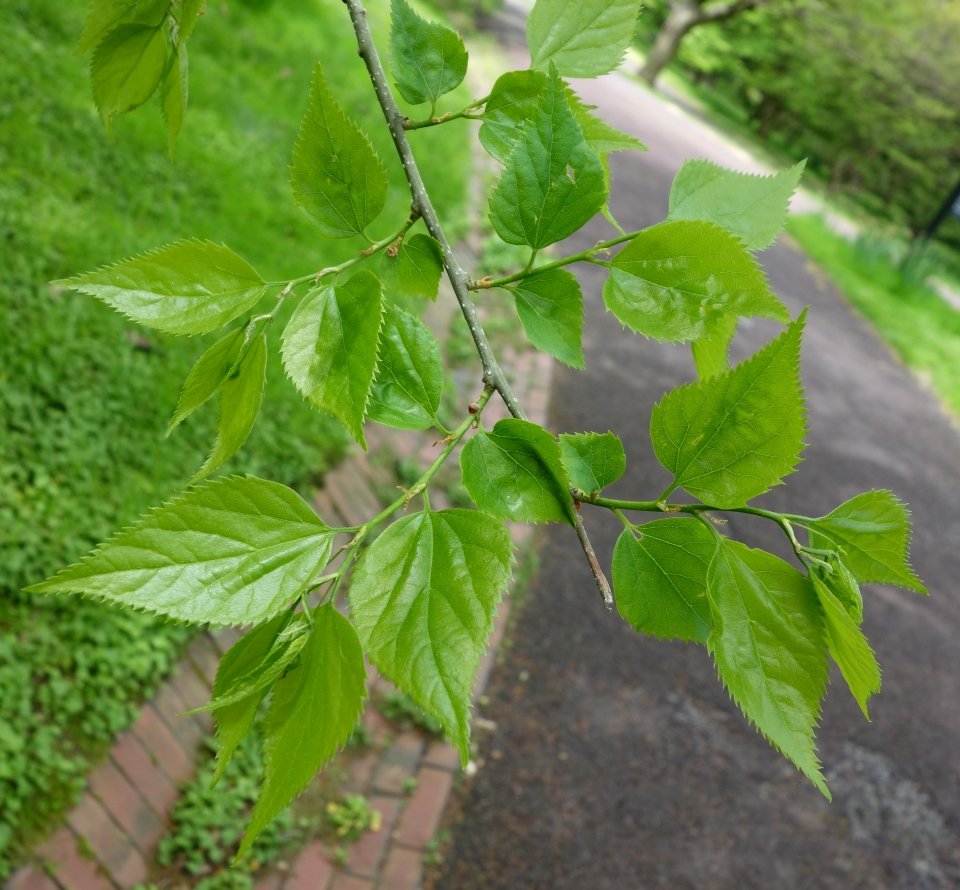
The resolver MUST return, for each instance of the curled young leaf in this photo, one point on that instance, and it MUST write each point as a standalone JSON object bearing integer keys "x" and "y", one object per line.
{"x": 731, "y": 438}
{"x": 240, "y": 398}
{"x": 429, "y": 59}
{"x": 515, "y": 472}
{"x": 423, "y": 599}
{"x": 553, "y": 182}
{"x": 415, "y": 269}
{"x": 673, "y": 280}
{"x": 872, "y": 532}
{"x": 126, "y": 68}
{"x": 550, "y": 306}
{"x": 234, "y": 551}
{"x": 408, "y": 387}
{"x": 592, "y": 460}
{"x": 338, "y": 181}
{"x": 330, "y": 348}
{"x": 314, "y": 709}
{"x": 660, "y": 578}
{"x": 191, "y": 287}
{"x": 752, "y": 208}
{"x": 583, "y": 38}
{"x": 768, "y": 645}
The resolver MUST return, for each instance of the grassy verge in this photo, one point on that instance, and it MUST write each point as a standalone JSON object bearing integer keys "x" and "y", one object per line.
{"x": 922, "y": 328}
{"x": 84, "y": 395}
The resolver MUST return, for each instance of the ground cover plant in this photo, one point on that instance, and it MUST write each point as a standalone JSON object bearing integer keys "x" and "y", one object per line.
{"x": 86, "y": 394}
{"x": 245, "y": 550}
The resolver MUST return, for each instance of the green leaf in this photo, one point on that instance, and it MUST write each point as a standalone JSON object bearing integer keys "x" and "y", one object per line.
{"x": 190, "y": 10}
{"x": 173, "y": 95}
{"x": 600, "y": 136}
{"x": 753, "y": 208}
{"x": 261, "y": 676}
{"x": 729, "y": 439}
{"x": 338, "y": 181}
{"x": 429, "y": 59}
{"x": 105, "y": 15}
{"x": 768, "y": 646}
{"x": 553, "y": 182}
{"x": 848, "y": 647}
{"x": 710, "y": 352}
{"x": 416, "y": 268}
{"x": 409, "y": 383}
{"x": 240, "y": 398}
{"x": 190, "y": 287}
{"x": 516, "y": 472}
{"x": 234, "y": 551}
{"x": 126, "y": 68}
{"x": 592, "y": 460}
{"x": 512, "y": 102}
{"x": 313, "y": 711}
{"x": 583, "y": 38}
{"x": 423, "y": 599}
{"x": 330, "y": 348}
{"x": 872, "y": 532}
{"x": 208, "y": 375}
{"x": 844, "y": 587}
{"x": 674, "y": 279}
{"x": 550, "y": 307}
{"x": 660, "y": 579}
{"x": 234, "y": 721}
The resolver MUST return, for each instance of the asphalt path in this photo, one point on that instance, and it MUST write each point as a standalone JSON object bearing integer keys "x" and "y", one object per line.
{"x": 619, "y": 761}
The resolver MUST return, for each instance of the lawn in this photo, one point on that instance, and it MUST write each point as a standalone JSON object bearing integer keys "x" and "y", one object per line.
{"x": 85, "y": 395}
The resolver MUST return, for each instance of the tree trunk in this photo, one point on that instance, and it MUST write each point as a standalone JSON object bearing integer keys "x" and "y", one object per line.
{"x": 684, "y": 14}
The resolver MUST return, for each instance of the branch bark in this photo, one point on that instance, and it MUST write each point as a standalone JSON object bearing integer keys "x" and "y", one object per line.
{"x": 684, "y": 15}
{"x": 493, "y": 375}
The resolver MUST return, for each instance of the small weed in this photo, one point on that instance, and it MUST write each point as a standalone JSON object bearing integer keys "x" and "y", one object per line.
{"x": 360, "y": 737}
{"x": 431, "y": 850}
{"x": 399, "y": 707}
{"x": 353, "y": 817}
{"x": 410, "y": 785}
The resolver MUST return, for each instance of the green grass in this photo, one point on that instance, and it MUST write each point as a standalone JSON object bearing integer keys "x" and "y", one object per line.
{"x": 922, "y": 328}
{"x": 84, "y": 395}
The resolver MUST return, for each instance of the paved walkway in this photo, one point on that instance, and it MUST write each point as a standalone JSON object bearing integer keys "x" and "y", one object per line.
{"x": 619, "y": 762}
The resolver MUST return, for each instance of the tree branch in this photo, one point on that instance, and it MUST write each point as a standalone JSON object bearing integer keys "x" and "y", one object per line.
{"x": 727, "y": 10}
{"x": 493, "y": 375}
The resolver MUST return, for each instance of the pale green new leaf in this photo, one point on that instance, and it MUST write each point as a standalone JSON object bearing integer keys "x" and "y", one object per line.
{"x": 872, "y": 532}
{"x": 408, "y": 387}
{"x": 768, "y": 644}
{"x": 208, "y": 375}
{"x": 592, "y": 460}
{"x": 710, "y": 352}
{"x": 730, "y": 438}
{"x": 190, "y": 287}
{"x": 415, "y": 269}
{"x": 600, "y": 136}
{"x": 553, "y": 182}
{"x": 105, "y": 15}
{"x": 190, "y": 10}
{"x": 126, "y": 68}
{"x": 423, "y": 599}
{"x": 313, "y": 711}
{"x": 234, "y": 551}
{"x": 674, "y": 279}
{"x": 240, "y": 398}
{"x": 330, "y": 348}
{"x": 234, "y": 721}
{"x": 429, "y": 59}
{"x": 512, "y": 102}
{"x": 753, "y": 208}
{"x": 660, "y": 579}
{"x": 583, "y": 38}
{"x": 338, "y": 181}
{"x": 844, "y": 587}
{"x": 848, "y": 647}
{"x": 173, "y": 95}
{"x": 550, "y": 307}
{"x": 515, "y": 472}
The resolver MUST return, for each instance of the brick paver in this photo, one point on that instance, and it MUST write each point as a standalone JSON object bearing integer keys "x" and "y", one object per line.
{"x": 403, "y": 870}
{"x": 188, "y": 730}
{"x": 31, "y": 878}
{"x": 160, "y": 741}
{"x": 421, "y": 818}
{"x": 442, "y": 755}
{"x": 312, "y": 871}
{"x": 205, "y": 656}
{"x": 125, "y": 804}
{"x": 137, "y": 765}
{"x": 399, "y": 763}
{"x": 114, "y": 852}
{"x": 72, "y": 871}
{"x": 350, "y": 882}
{"x": 366, "y": 853}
